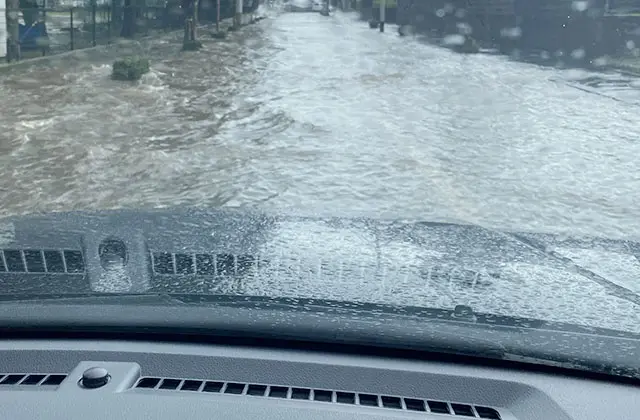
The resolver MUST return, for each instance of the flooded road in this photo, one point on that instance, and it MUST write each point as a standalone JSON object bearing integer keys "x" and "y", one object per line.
{"x": 309, "y": 114}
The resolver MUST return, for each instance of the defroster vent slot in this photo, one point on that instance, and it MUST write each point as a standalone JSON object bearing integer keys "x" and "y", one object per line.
{"x": 391, "y": 402}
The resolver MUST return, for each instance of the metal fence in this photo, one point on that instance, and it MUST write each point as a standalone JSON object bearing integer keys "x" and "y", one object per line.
{"x": 65, "y": 25}
{"x": 57, "y": 29}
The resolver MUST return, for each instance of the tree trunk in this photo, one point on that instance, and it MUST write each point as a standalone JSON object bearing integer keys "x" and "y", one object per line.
{"x": 187, "y": 31}
{"x": 237, "y": 15}
{"x": 129, "y": 19}
{"x": 13, "y": 52}
{"x": 190, "y": 19}
{"x": 196, "y": 5}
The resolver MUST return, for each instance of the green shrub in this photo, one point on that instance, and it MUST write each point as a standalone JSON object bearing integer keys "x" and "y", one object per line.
{"x": 130, "y": 68}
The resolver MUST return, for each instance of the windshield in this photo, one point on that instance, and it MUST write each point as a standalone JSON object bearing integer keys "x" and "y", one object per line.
{"x": 512, "y": 123}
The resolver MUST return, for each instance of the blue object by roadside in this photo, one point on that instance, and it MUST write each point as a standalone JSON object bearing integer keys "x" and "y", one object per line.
{"x": 33, "y": 37}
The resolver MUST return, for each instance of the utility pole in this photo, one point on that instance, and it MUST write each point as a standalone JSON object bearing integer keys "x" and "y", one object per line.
{"x": 237, "y": 18}
{"x": 383, "y": 10}
{"x": 218, "y": 16}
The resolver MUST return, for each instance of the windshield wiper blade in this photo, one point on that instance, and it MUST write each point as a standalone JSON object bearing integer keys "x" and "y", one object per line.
{"x": 92, "y": 298}
{"x": 461, "y": 314}
{"x": 428, "y": 330}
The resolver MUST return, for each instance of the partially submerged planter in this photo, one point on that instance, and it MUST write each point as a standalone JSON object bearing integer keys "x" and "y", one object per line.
{"x": 469, "y": 46}
{"x": 219, "y": 34}
{"x": 130, "y": 68}
{"x": 373, "y": 24}
{"x": 191, "y": 45}
{"x": 404, "y": 30}
{"x": 460, "y": 43}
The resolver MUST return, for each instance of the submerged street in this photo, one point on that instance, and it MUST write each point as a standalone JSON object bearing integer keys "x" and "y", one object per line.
{"x": 309, "y": 114}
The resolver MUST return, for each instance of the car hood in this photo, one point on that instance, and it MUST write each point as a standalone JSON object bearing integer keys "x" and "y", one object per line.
{"x": 584, "y": 281}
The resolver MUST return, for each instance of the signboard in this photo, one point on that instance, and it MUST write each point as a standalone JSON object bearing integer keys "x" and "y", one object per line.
{"x": 389, "y": 3}
{"x": 3, "y": 28}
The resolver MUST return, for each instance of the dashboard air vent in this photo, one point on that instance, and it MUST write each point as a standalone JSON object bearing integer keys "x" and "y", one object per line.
{"x": 35, "y": 379}
{"x": 319, "y": 395}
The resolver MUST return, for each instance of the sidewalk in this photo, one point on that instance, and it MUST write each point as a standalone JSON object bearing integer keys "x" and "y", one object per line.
{"x": 628, "y": 65}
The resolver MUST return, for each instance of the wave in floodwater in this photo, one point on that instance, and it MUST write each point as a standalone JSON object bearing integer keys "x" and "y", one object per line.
{"x": 321, "y": 115}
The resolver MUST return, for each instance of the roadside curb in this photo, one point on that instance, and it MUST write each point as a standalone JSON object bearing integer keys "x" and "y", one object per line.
{"x": 626, "y": 70}
{"x": 115, "y": 43}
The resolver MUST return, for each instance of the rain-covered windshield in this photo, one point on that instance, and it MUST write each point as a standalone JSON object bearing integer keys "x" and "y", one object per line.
{"x": 516, "y": 116}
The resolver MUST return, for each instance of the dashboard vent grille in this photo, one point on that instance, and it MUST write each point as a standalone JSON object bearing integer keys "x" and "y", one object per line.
{"x": 201, "y": 264}
{"x": 67, "y": 261}
{"x": 34, "y": 379}
{"x": 319, "y": 395}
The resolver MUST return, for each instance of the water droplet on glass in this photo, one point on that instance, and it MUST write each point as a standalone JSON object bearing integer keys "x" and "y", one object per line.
{"x": 511, "y": 32}
{"x": 600, "y": 61}
{"x": 464, "y": 28}
{"x": 451, "y": 40}
{"x": 580, "y": 6}
{"x": 578, "y": 53}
